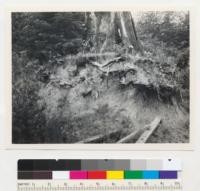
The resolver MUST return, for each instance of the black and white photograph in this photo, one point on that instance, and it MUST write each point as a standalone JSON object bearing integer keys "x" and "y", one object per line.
{"x": 100, "y": 77}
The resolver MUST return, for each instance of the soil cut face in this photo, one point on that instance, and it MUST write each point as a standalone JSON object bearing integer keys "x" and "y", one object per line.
{"x": 92, "y": 102}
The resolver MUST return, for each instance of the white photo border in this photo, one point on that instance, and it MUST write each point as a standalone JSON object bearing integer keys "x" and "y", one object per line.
{"x": 118, "y": 147}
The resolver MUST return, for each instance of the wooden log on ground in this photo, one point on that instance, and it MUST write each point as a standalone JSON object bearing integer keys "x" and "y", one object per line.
{"x": 100, "y": 138}
{"x": 129, "y": 137}
{"x": 149, "y": 130}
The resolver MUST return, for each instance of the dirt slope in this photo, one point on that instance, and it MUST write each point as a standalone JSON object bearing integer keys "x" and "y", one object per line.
{"x": 95, "y": 102}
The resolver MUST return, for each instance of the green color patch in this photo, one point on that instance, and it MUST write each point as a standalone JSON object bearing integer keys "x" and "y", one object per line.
{"x": 137, "y": 174}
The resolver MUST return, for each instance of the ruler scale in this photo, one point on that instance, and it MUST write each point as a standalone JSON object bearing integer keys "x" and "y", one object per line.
{"x": 103, "y": 185}
{"x": 99, "y": 175}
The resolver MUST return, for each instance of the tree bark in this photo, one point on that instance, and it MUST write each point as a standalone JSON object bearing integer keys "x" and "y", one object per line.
{"x": 106, "y": 29}
{"x": 129, "y": 31}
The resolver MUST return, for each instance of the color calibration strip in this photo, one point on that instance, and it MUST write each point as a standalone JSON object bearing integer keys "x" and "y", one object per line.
{"x": 115, "y": 175}
{"x": 98, "y": 169}
{"x": 87, "y": 165}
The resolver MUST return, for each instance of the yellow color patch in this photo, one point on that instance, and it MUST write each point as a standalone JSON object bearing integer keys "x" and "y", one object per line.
{"x": 115, "y": 174}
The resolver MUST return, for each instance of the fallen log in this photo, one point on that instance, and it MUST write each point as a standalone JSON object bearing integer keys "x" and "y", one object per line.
{"x": 129, "y": 137}
{"x": 100, "y": 138}
{"x": 149, "y": 130}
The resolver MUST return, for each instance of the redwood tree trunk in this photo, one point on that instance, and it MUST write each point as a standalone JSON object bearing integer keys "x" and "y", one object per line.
{"x": 109, "y": 28}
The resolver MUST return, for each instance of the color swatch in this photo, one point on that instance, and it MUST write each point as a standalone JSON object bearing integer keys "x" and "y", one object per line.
{"x": 87, "y": 164}
{"x": 98, "y": 169}
{"x": 115, "y": 175}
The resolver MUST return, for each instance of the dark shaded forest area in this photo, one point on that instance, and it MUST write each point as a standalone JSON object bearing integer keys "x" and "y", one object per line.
{"x": 80, "y": 74}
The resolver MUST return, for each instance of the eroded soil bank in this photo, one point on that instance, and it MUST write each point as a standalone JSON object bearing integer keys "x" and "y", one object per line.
{"x": 82, "y": 101}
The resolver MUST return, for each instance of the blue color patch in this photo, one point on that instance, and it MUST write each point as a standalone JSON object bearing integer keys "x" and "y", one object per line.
{"x": 151, "y": 174}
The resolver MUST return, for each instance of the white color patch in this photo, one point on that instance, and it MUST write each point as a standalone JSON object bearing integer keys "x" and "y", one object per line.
{"x": 60, "y": 175}
{"x": 172, "y": 164}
